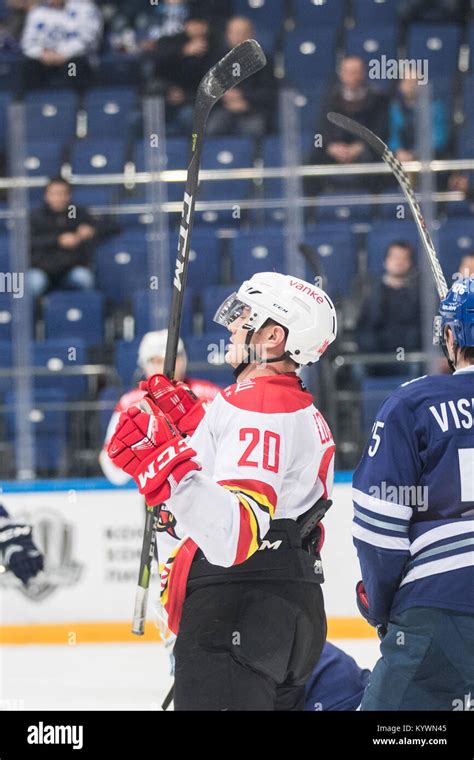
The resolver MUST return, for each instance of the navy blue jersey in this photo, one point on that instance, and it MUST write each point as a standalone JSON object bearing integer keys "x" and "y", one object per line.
{"x": 336, "y": 683}
{"x": 414, "y": 499}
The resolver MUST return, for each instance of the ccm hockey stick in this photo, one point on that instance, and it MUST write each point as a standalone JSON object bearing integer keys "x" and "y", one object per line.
{"x": 241, "y": 62}
{"x": 382, "y": 150}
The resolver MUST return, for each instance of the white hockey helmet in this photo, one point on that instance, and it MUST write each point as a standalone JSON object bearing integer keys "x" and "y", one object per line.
{"x": 153, "y": 346}
{"x": 305, "y": 310}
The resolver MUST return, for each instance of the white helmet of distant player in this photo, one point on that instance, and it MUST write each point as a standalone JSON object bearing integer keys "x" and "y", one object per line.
{"x": 303, "y": 309}
{"x": 153, "y": 346}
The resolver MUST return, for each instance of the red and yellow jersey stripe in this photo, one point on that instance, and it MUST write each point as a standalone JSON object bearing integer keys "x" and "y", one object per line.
{"x": 258, "y": 502}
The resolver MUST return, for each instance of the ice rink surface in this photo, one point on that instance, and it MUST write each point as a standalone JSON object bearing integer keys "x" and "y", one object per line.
{"x": 104, "y": 676}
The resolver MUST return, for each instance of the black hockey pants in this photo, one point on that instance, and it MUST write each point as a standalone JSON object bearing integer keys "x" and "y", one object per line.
{"x": 251, "y": 635}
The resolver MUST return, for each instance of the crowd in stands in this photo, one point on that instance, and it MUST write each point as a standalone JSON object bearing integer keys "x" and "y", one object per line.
{"x": 107, "y": 55}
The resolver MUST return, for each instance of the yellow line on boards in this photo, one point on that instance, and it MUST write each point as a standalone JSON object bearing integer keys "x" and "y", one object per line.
{"x": 119, "y": 632}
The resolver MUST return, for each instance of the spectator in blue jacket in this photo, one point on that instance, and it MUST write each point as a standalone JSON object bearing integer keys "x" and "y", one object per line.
{"x": 402, "y": 126}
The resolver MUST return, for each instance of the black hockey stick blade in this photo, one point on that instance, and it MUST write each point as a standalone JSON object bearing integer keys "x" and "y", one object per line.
{"x": 382, "y": 150}
{"x": 239, "y": 64}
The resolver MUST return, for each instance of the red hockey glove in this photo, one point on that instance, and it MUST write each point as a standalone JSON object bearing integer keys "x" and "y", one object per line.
{"x": 177, "y": 401}
{"x": 150, "y": 449}
{"x": 363, "y": 605}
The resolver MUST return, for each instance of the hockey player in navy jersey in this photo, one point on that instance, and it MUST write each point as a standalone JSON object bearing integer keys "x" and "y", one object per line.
{"x": 414, "y": 529}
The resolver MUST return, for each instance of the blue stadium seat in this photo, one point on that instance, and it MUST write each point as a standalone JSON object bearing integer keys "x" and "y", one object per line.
{"x": 6, "y": 316}
{"x": 384, "y": 233}
{"x": 309, "y": 56}
{"x": 370, "y": 13}
{"x": 5, "y": 100}
{"x": 43, "y": 158}
{"x": 10, "y": 72}
{"x": 204, "y": 259}
{"x": 309, "y": 101}
{"x": 210, "y": 349}
{"x": 455, "y": 240}
{"x": 110, "y": 111}
{"x": 75, "y": 314}
{"x": 257, "y": 251}
{"x": 338, "y": 257}
{"x": 372, "y": 44}
{"x": 98, "y": 156}
{"x": 126, "y": 353}
{"x": 272, "y": 156}
{"x": 49, "y": 428}
{"x": 343, "y": 212}
{"x": 122, "y": 266}
{"x": 466, "y": 139}
{"x": 55, "y": 355}
{"x": 99, "y": 195}
{"x": 266, "y": 14}
{"x": 51, "y": 114}
{"x": 6, "y": 358}
{"x": 177, "y": 149}
{"x": 147, "y": 316}
{"x": 438, "y": 44}
{"x": 467, "y": 88}
{"x": 118, "y": 69}
{"x": 313, "y": 14}
{"x": 227, "y": 153}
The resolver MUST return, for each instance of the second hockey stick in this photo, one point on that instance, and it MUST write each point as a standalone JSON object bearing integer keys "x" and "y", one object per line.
{"x": 382, "y": 150}
{"x": 241, "y": 62}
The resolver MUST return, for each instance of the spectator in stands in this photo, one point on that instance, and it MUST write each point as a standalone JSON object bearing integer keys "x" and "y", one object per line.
{"x": 390, "y": 317}
{"x": 353, "y": 97}
{"x": 59, "y": 42}
{"x": 466, "y": 265}
{"x": 402, "y": 121}
{"x": 173, "y": 67}
{"x": 247, "y": 110}
{"x": 62, "y": 243}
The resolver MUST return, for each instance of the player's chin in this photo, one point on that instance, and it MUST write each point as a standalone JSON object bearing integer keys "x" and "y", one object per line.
{"x": 234, "y": 356}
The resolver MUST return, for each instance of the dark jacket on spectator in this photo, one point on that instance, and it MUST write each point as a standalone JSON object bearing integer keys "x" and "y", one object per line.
{"x": 175, "y": 68}
{"x": 46, "y": 228}
{"x": 390, "y": 318}
{"x": 371, "y": 111}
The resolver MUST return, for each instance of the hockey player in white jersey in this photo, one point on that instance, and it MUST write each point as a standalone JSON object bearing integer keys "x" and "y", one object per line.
{"x": 241, "y": 591}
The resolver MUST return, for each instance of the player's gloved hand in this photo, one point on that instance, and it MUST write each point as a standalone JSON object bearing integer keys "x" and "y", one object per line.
{"x": 363, "y": 605}
{"x": 18, "y": 551}
{"x": 150, "y": 448}
{"x": 177, "y": 401}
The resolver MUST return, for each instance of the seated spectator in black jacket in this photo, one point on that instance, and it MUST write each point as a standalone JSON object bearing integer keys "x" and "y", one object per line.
{"x": 353, "y": 97}
{"x": 390, "y": 318}
{"x": 63, "y": 238}
{"x": 247, "y": 110}
{"x": 174, "y": 65}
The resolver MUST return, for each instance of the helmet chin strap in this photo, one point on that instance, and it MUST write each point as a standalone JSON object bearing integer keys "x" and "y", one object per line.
{"x": 248, "y": 360}
{"x": 451, "y": 364}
